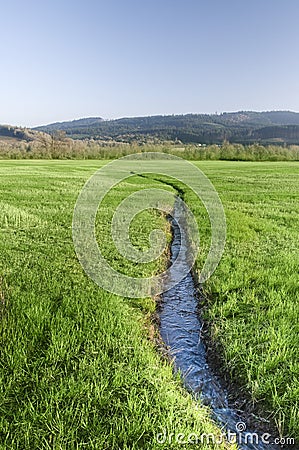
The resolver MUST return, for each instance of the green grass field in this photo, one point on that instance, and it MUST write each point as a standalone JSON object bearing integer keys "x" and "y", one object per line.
{"x": 78, "y": 369}
{"x": 253, "y": 298}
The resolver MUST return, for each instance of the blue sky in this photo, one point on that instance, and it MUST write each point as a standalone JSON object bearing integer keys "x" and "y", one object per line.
{"x": 68, "y": 59}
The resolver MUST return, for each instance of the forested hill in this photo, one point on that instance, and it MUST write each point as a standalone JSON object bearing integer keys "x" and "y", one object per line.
{"x": 89, "y": 122}
{"x": 243, "y": 127}
{"x": 10, "y": 133}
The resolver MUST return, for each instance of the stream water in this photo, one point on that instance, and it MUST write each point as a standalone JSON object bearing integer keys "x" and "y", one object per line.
{"x": 180, "y": 329}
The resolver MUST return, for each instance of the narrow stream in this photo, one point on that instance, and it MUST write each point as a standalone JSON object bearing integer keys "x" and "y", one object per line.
{"x": 180, "y": 329}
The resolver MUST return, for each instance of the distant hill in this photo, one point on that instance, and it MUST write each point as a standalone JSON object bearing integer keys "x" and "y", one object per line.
{"x": 73, "y": 124}
{"x": 10, "y": 133}
{"x": 243, "y": 127}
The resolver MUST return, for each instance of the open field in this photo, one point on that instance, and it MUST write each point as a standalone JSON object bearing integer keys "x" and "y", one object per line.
{"x": 253, "y": 297}
{"x": 77, "y": 367}
{"x": 252, "y": 300}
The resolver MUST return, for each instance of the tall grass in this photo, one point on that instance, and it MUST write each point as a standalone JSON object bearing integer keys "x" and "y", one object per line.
{"x": 77, "y": 366}
{"x": 252, "y": 301}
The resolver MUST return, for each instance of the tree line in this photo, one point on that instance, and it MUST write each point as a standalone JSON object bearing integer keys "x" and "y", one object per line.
{"x": 58, "y": 146}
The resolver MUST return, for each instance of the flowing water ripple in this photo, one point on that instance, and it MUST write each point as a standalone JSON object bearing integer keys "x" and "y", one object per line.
{"x": 180, "y": 329}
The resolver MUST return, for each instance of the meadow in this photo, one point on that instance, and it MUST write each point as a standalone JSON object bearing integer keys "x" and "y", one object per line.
{"x": 80, "y": 367}
{"x": 252, "y": 301}
{"x": 250, "y": 305}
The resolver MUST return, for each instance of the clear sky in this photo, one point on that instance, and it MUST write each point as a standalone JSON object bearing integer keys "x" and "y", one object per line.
{"x": 66, "y": 59}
